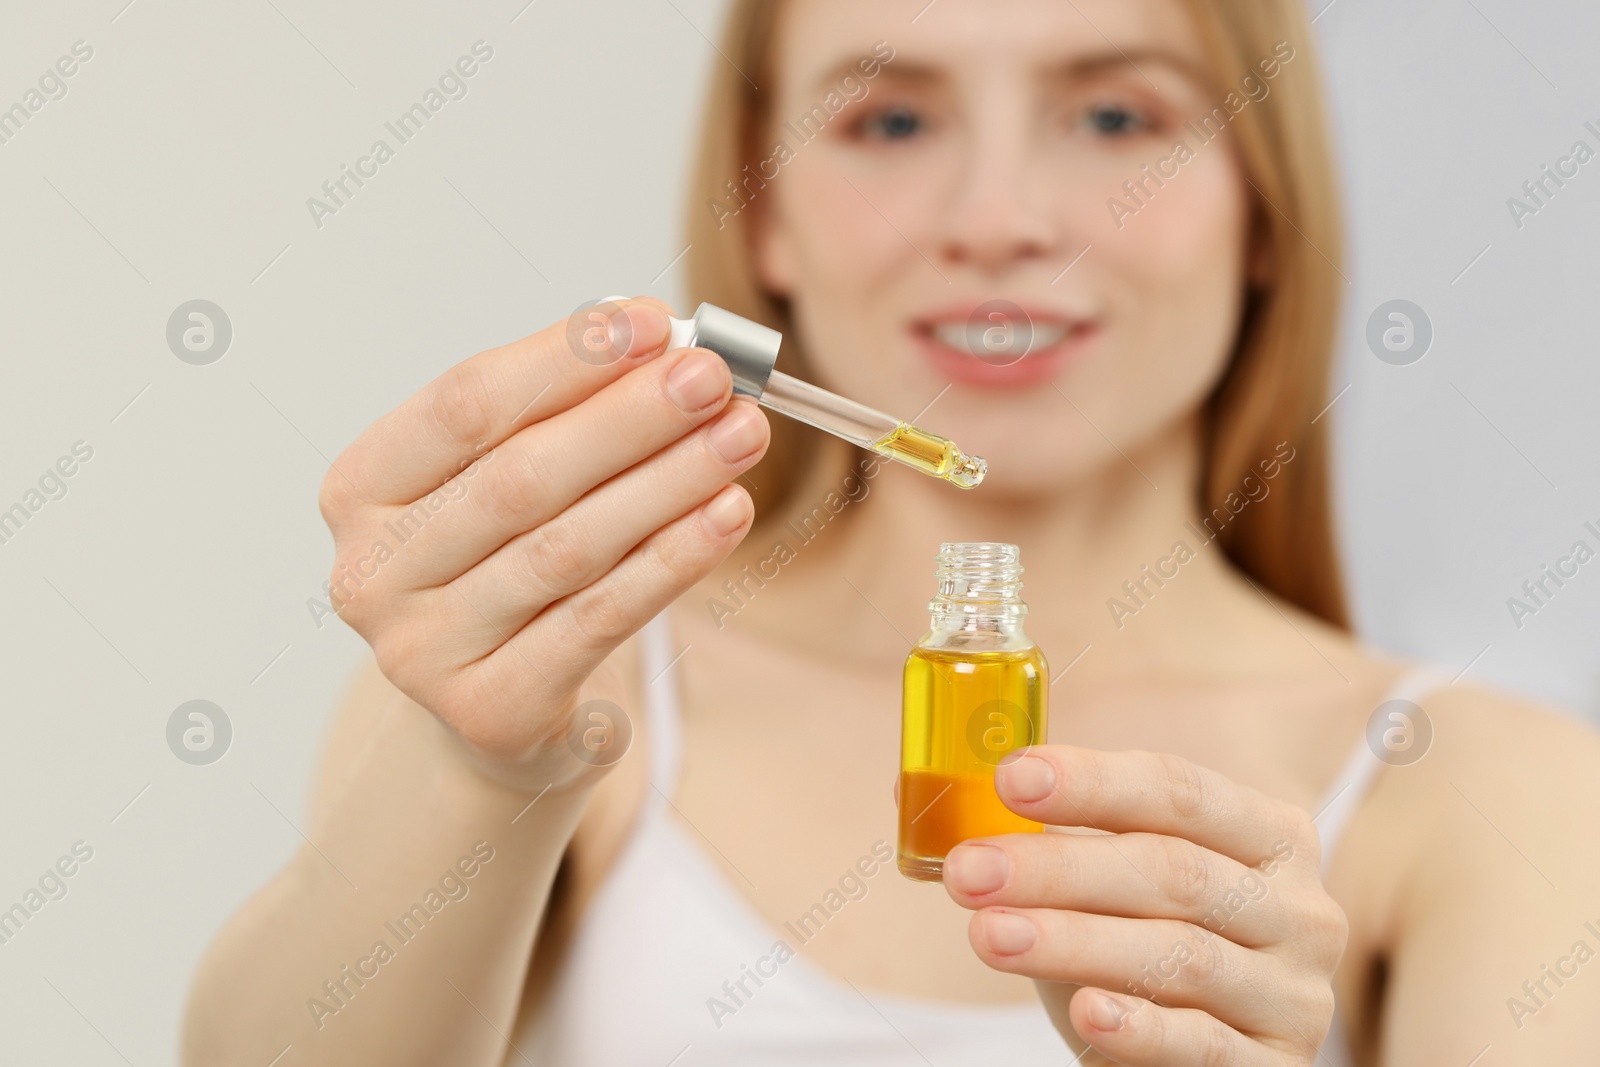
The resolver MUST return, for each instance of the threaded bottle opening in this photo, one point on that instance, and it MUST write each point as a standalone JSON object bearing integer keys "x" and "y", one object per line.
{"x": 978, "y": 578}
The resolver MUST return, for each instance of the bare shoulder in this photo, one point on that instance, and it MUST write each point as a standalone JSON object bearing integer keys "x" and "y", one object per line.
{"x": 1500, "y": 775}
{"x": 1484, "y": 719}
{"x": 1486, "y": 815}
{"x": 1475, "y": 875}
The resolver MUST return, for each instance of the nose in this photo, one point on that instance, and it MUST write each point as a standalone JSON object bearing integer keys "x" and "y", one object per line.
{"x": 998, "y": 215}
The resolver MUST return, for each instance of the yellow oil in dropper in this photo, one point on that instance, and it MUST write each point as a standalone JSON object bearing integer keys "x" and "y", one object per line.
{"x": 932, "y": 454}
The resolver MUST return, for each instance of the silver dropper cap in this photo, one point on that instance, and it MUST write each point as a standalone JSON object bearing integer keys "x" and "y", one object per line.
{"x": 748, "y": 348}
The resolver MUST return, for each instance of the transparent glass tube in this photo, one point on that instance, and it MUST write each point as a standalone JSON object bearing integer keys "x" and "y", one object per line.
{"x": 871, "y": 429}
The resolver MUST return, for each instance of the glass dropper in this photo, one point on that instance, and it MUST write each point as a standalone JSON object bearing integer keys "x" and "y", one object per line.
{"x": 883, "y": 434}
{"x": 750, "y": 350}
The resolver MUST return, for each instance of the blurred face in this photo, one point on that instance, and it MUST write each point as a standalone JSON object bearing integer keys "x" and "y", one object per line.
{"x": 962, "y": 223}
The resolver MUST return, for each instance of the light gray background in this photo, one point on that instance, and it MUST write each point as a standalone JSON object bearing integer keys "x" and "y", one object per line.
{"x": 179, "y": 564}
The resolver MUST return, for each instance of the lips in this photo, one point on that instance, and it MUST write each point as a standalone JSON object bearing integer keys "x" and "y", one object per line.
{"x": 998, "y": 344}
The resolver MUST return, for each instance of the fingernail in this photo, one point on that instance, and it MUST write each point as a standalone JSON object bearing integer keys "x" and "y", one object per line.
{"x": 1008, "y": 933}
{"x": 696, "y": 381}
{"x": 636, "y": 330}
{"x": 737, "y": 433}
{"x": 976, "y": 867}
{"x": 727, "y": 511}
{"x": 1027, "y": 779}
{"x": 1105, "y": 1013}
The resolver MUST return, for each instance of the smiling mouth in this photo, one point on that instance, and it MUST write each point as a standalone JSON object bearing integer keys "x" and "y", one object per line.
{"x": 997, "y": 344}
{"x": 1002, "y": 344}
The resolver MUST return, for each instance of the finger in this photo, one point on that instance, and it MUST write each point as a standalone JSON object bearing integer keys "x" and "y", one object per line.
{"x": 578, "y": 546}
{"x": 565, "y": 641}
{"x": 482, "y": 401}
{"x": 1138, "y": 875}
{"x": 1155, "y": 792}
{"x": 1136, "y": 1032}
{"x": 1168, "y": 962}
{"x": 541, "y": 471}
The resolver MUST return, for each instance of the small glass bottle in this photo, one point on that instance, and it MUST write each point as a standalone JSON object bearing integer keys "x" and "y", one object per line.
{"x": 976, "y": 687}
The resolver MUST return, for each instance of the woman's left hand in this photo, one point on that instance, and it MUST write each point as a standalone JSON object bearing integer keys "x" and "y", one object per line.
{"x": 1196, "y": 931}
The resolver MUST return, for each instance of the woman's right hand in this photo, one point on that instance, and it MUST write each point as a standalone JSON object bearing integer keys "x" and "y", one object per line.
{"x": 506, "y": 528}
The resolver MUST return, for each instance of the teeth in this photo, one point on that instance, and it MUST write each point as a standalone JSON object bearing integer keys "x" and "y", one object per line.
{"x": 1011, "y": 342}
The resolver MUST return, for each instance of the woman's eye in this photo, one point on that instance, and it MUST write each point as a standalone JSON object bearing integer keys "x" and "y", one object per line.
{"x": 1114, "y": 119}
{"x": 895, "y": 123}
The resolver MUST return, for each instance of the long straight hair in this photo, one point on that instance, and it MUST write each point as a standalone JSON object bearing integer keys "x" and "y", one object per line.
{"x": 1275, "y": 383}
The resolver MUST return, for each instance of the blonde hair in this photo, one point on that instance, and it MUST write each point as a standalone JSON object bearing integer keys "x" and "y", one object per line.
{"x": 1275, "y": 383}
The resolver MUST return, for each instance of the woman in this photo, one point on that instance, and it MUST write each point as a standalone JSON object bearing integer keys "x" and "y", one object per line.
{"x": 1144, "y": 185}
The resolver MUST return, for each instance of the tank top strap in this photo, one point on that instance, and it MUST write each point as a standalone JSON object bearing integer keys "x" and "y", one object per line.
{"x": 659, "y": 682}
{"x": 1355, "y": 778}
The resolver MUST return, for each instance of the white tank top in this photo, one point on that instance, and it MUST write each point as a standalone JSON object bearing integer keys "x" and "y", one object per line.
{"x": 666, "y": 930}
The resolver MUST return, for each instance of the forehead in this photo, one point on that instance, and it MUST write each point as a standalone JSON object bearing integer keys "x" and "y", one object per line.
{"x": 949, "y": 40}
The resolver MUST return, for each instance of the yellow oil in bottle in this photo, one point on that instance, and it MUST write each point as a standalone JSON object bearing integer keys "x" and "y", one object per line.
{"x": 932, "y": 454}
{"x": 963, "y": 711}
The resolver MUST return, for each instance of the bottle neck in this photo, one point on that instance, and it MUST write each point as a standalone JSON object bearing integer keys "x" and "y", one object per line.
{"x": 979, "y": 593}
